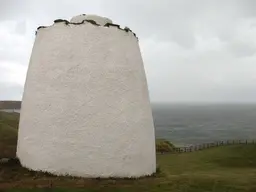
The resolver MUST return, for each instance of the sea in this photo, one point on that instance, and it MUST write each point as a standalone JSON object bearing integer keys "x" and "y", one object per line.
{"x": 190, "y": 124}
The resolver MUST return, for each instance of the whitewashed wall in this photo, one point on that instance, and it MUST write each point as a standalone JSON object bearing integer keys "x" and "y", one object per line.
{"x": 85, "y": 109}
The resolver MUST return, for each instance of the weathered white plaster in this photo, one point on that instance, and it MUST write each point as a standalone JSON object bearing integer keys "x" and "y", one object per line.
{"x": 85, "y": 109}
{"x": 99, "y": 20}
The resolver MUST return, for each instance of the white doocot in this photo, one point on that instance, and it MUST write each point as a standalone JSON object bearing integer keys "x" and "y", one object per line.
{"x": 85, "y": 109}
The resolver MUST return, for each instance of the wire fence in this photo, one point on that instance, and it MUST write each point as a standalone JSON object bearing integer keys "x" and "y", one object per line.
{"x": 199, "y": 147}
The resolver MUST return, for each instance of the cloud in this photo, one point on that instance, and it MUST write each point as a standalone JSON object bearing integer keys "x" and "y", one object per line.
{"x": 10, "y": 91}
{"x": 193, "y": 51}
{"x": 12, "y": 72}
{"x": 15, "y": 45}
{"x": 11, "y": 9}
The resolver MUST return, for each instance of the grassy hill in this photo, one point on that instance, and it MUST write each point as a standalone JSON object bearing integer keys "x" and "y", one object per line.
{"x": 10, "y": 104}
{"x": 8, "y": 133}
{"x": 223, "y": 169}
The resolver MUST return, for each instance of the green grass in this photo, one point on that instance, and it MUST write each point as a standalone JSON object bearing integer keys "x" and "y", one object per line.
{"x": 221, "y": 169}
{"x": 10, "y": 119}
{"x": 8, "y": 133}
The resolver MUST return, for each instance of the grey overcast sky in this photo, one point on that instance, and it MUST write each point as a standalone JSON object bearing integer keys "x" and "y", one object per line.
{"x": 193, "y": 50}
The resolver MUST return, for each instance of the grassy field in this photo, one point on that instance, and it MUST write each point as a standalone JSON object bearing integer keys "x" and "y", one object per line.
{"x": 222, "y": 169}
{"x": 8, "y": 133}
